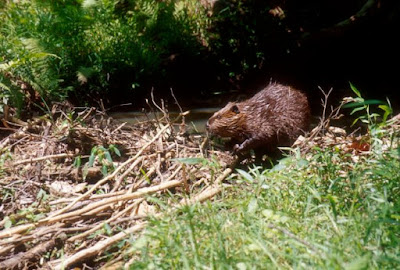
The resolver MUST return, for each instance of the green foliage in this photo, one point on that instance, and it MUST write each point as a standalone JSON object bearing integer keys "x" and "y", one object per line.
{"x": 4, "y": 156}
{"x": 89, "y": 47}
{"x": 102, "y": 156}
{"x": 369, "y": 118}
{"x": 375, "y": 117}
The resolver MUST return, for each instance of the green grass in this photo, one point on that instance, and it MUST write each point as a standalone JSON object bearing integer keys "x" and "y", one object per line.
{"x": 325, "y": 211}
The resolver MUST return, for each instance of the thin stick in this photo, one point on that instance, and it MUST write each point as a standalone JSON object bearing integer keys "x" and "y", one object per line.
{"x": 118, "y": 128}
{"x": 57, "y": 156}
{"x": 119, "y": 179}
{"x": 203, "y": 196}
{"x": 176, "y": 101}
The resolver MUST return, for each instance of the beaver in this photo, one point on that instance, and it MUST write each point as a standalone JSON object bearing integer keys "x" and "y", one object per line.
{"x": 273, "y": 117}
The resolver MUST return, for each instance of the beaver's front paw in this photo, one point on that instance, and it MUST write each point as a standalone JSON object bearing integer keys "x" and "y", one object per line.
{"x": 237, "y": 148}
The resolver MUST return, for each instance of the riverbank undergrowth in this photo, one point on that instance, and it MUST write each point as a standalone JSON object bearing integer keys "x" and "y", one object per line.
{"x": 335, "y": 207}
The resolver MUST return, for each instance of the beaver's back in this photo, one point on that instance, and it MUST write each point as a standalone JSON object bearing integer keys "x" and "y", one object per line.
{"x": 280, "y": 108}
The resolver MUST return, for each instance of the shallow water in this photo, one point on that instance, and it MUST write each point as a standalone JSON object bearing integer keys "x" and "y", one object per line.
{"x": 196, "y": 119}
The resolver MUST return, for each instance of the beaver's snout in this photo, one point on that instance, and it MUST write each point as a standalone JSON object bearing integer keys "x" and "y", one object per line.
{"x": 208, "y": 127}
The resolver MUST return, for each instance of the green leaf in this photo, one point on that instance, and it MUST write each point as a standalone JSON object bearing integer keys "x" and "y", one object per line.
{"x": 7, "y": 223}
{"x": 94, "y": 150}
{"x": 5, "y": 87}
{"x": 107, "y": 229}
{"x": 108, "y": 156}
{"x": 91, "y": 159}
{"x": 104, "y": 170}
{"x": 145, "y": 175}
{"x": 117, "y": 152}
{"x": 102, "y": 148}
{"x": 245, "y": 175}
{"x": 268, "y": 213}
{"x": 387, "y": 111}
{"x": 252, "y": 206}
{"x": 77, "y": 162}
{"x": 363, "y": 103}
{"x": 191, "y": 161}
{"x": 356, "y": 110}
{"x": 301, "y": 163}
{"x": 355, "y": 90}
{"x": 140, "y": 243}
{"x": 42, "y": 195}
{"x": 113, "y": 148}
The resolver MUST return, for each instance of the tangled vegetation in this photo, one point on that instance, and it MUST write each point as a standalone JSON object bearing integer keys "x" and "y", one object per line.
{"x": 84, "y": 190}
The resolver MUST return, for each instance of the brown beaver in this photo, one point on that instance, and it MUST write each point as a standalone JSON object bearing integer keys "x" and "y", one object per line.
{"x": 273, "y": 117}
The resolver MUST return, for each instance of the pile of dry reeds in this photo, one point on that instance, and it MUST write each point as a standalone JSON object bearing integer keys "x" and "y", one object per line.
{"x": 59, "y": 193}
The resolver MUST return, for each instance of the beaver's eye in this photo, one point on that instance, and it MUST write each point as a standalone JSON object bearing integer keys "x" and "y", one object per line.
{"x": 235, "y": 109}
{"x": 218, "y": 117}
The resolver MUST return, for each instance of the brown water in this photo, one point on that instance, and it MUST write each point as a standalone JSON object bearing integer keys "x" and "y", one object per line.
{"x": 196, "y": 119}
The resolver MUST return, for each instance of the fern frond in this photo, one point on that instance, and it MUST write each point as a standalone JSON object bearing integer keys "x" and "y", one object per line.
{"x": 89, "y": 3}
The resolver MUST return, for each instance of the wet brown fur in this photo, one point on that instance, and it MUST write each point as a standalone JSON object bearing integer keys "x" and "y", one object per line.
{"x": 273, "y": 117}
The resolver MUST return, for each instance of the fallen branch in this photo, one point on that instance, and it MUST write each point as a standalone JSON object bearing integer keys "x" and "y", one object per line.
{"x": 126, "y": 172}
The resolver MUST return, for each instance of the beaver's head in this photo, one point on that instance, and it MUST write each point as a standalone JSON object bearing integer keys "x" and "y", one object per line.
{"x": 230, "y": 121}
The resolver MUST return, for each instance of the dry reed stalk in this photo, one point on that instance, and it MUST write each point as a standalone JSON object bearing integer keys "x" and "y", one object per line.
{"x": 99, "y": 247}
{"x": 57, "y": 156}
{"x": 138, "y": 194}
{"x": 98, "y": 227}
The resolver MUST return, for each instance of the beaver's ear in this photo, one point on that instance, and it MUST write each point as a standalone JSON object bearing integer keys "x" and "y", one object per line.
{"x": 235, "y": 109}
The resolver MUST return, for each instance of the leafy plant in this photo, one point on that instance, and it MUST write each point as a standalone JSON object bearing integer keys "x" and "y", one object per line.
{"x": 102, "y": 155}
{"x": 361, "y": 104}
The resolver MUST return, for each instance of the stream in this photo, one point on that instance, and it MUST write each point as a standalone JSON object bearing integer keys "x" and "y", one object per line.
{"x": 196, "y": 119}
